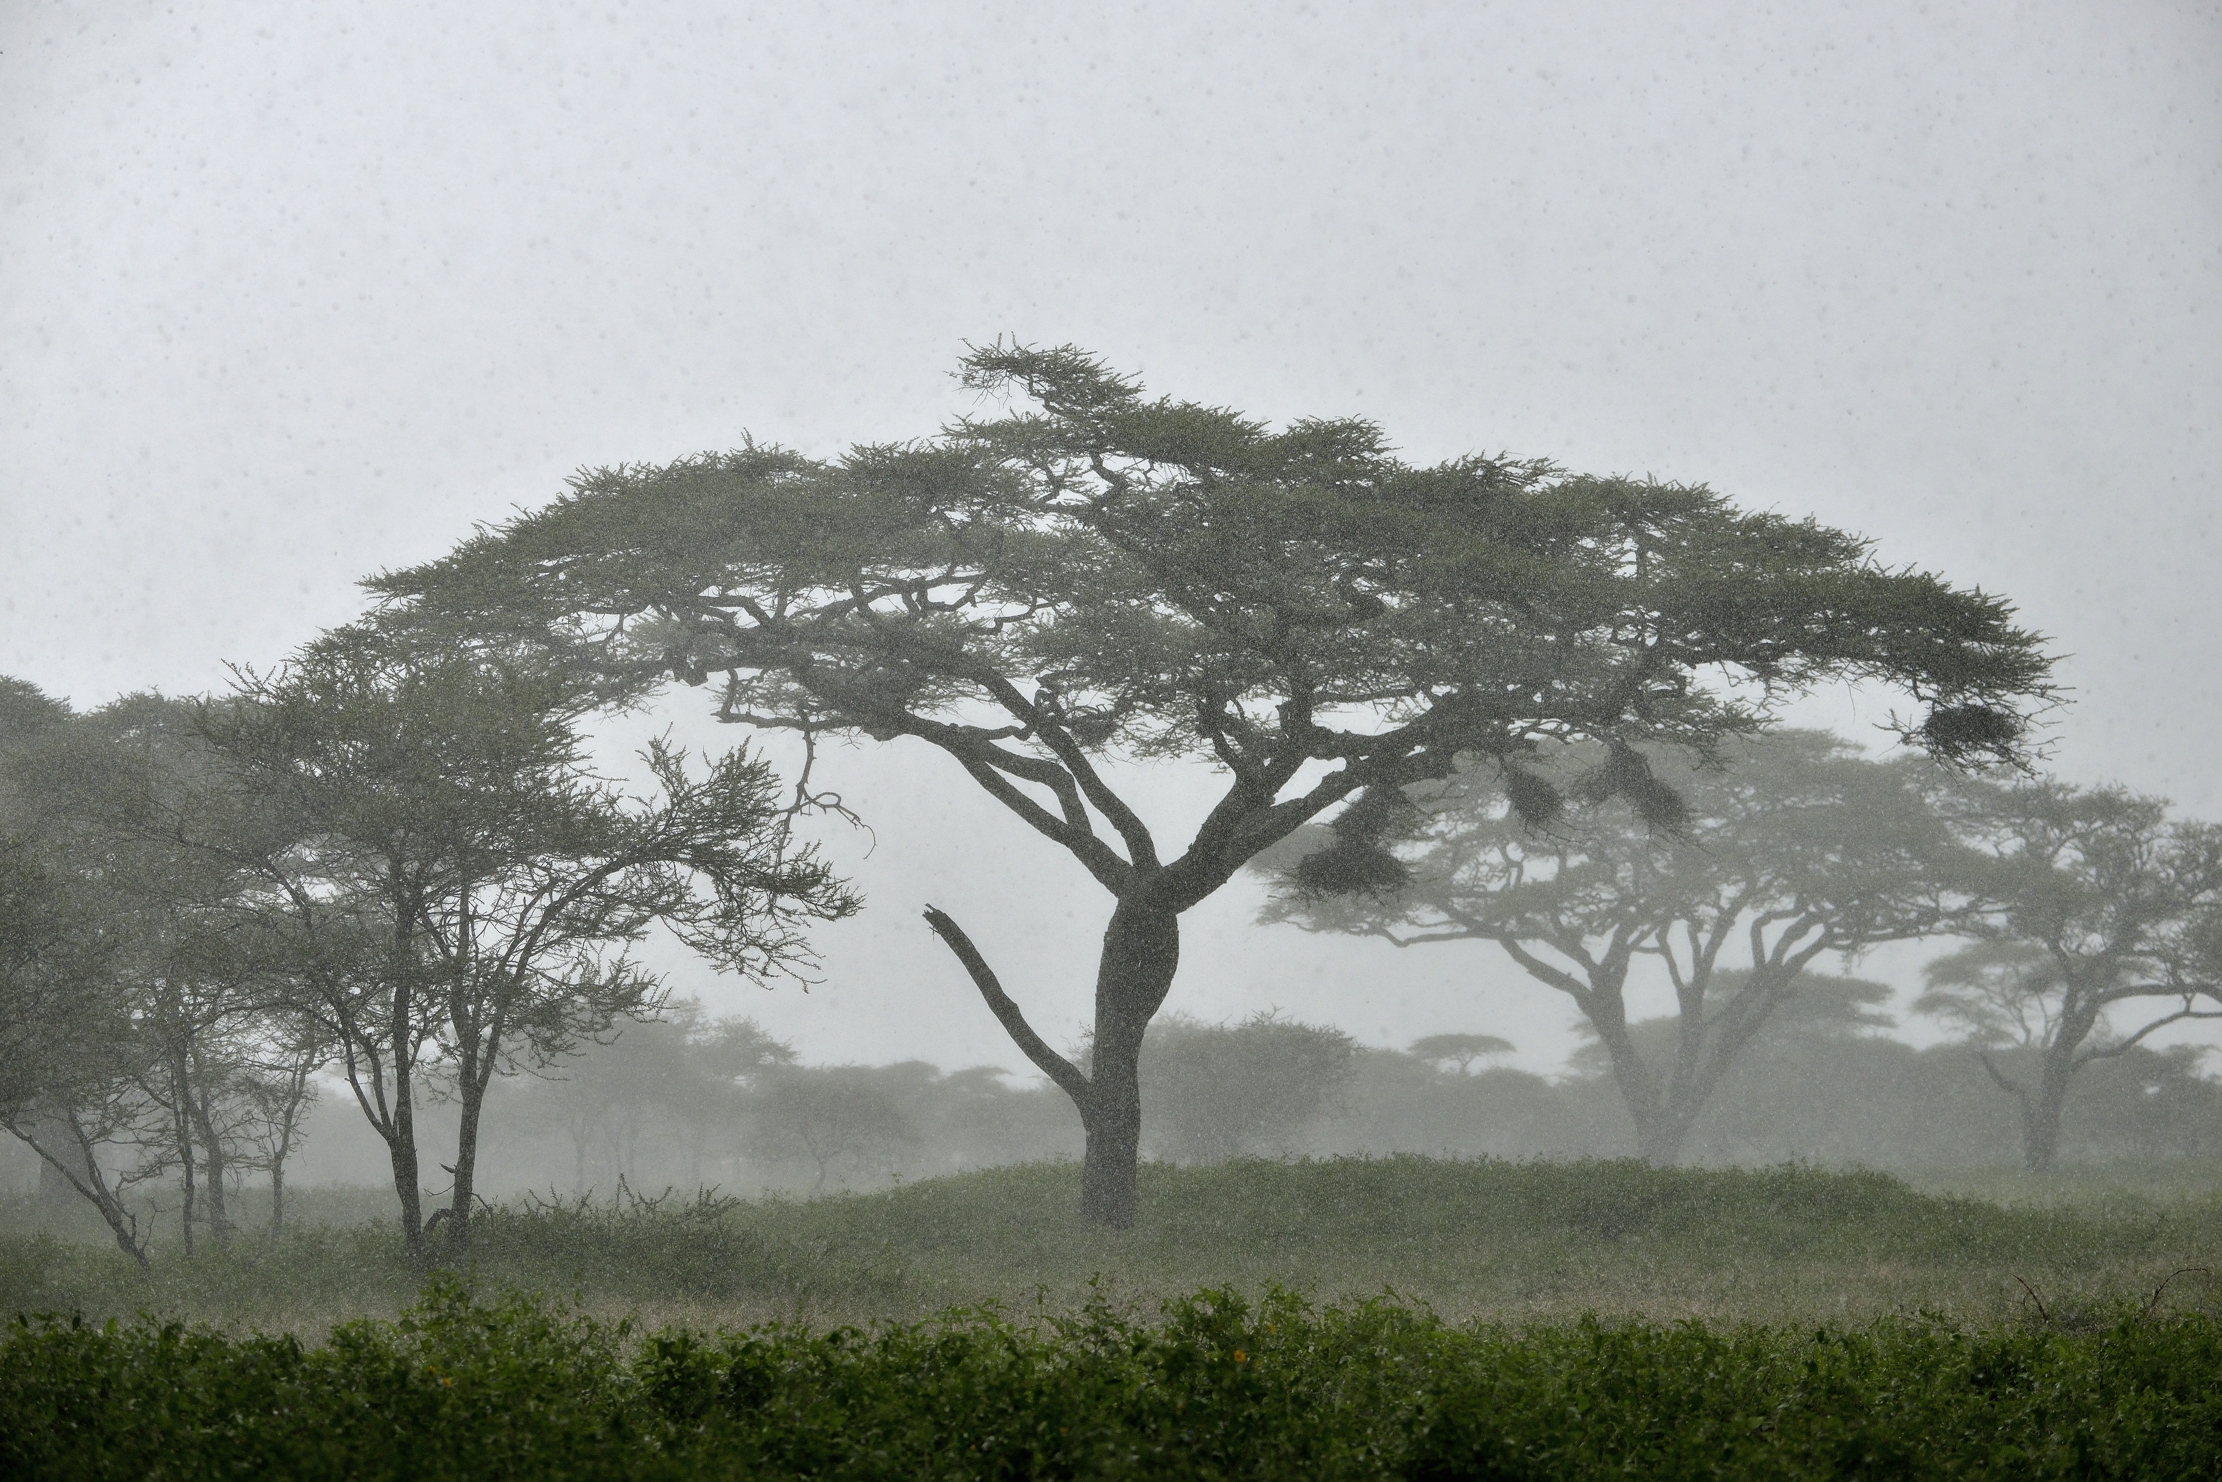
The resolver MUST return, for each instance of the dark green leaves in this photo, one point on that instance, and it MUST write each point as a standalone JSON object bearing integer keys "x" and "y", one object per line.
{"x": 1223, "y": 589}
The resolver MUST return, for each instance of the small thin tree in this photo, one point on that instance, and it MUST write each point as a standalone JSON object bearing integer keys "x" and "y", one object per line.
{"x": 439, "y": 875}
{"x": 2100, "y": 906}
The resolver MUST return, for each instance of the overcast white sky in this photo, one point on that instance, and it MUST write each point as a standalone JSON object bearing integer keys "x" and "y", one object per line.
{"x": 292, "y": 292}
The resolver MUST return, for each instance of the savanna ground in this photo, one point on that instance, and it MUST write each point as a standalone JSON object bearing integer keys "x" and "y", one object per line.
{"x": 1399, "y": 1317}
{"x": 1486, "y": 1241}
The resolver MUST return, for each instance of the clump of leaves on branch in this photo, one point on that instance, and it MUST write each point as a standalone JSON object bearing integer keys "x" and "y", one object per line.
{"x": 1097, "y": 574}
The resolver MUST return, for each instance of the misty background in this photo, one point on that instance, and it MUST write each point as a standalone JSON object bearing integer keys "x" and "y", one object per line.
{"x": 292, "y": 294}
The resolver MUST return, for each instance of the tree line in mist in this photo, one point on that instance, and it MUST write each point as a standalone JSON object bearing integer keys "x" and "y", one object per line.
{"x": 202, "y": 899}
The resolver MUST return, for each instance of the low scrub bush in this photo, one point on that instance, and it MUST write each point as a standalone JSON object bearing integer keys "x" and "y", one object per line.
{"x": 1215, "y": 1387}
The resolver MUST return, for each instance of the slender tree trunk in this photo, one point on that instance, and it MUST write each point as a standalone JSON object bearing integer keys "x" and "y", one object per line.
{"x": 473, "y": 1089}
{"x": 214, "y": 1163}
{"x": 64, "y": 1150}
{"x": 1141, "y": 951}
{"x": 401, "y": 1148}
{"x": 401, "y": 1141}
{"x": 288, "y": 1125}
{"x": 219, "y": 1218}
{"x": 183, "y": 1118}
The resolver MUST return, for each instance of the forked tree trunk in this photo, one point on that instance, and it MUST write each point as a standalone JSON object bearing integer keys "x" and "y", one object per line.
{"x": 1141, "y": 952}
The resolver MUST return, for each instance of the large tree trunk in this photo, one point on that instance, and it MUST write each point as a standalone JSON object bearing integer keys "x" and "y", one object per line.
{"x": 2040, "y": 1114}
{"x": 1141, "y": 951}
{"x": 1660, "y": 1140}
{"x": 1658, "y": 1130}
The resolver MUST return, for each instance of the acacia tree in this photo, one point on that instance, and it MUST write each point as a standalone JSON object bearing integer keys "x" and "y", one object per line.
{"x": 439, "y": 881}
{"x": 68, "y": 1053}
{"x": 94, "y": 790}
{"x": 2100, "y": 904}
{"x": 1098, "y": 575}
{"x": 1786, "y": 847}
{"x": 1229, "y": 1090}
{"x": 823, "y": 1115}
{"x": 55, "y": 970}
{"x": 1461, "y": 1050}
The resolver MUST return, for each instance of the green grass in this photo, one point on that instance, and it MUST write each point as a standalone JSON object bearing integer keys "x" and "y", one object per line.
{"x": 2126, "y": 1185}
{"x": 1217, "y": 1386}
{"x": 1468, "y": 1240}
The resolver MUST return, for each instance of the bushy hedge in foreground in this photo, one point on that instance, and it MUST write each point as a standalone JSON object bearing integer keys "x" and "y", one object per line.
{"x": 1218, "y": 1388}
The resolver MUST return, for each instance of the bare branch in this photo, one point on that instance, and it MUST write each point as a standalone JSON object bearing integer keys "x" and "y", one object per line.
{"x": 1048, "y": 1061}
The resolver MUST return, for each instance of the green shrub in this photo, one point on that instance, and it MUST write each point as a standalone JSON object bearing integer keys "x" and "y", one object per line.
{"x": 1217, "y": 1387}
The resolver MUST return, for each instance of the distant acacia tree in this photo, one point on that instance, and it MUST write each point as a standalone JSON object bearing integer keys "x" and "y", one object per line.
{"x": 1461, "y": 1050}
{"x": 438, "y": 877}
{"x": 2103, "y": 906}
{"x": 1099, "y": 575}
{"x": 1224, "y": 1090}
{"x": 682, "y": 1076}
{"x": 1731, "y": 873}
{"x": 827, "y": 1117}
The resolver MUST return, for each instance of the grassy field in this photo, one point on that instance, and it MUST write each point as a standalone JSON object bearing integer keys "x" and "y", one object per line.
{"x": 1391, "y": 1318}
{"x": 1499, "y": 1242}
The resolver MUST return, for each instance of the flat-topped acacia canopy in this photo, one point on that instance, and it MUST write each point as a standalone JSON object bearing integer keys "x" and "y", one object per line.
{"x": 1097, "y": 574}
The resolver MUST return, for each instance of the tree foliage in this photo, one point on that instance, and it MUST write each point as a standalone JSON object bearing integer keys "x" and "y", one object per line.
{"x": 1250, "y": 1088}
{"x": 1461, "y": 1050}
{"x": 136, "y": 1049}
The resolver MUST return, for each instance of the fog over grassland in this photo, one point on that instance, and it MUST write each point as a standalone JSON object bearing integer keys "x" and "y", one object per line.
{"x": 291, "y": 296}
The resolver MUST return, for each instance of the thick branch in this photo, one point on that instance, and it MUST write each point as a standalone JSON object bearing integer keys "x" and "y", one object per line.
{"x": 1544, "y": 972}
{"x": 987, "y": 764}
{"x": 1048, "y": 1061}
{"x": 1995, "y": 1074}
{"x": 2123, "y": 1046}
{"x": 1140, "y": 847}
